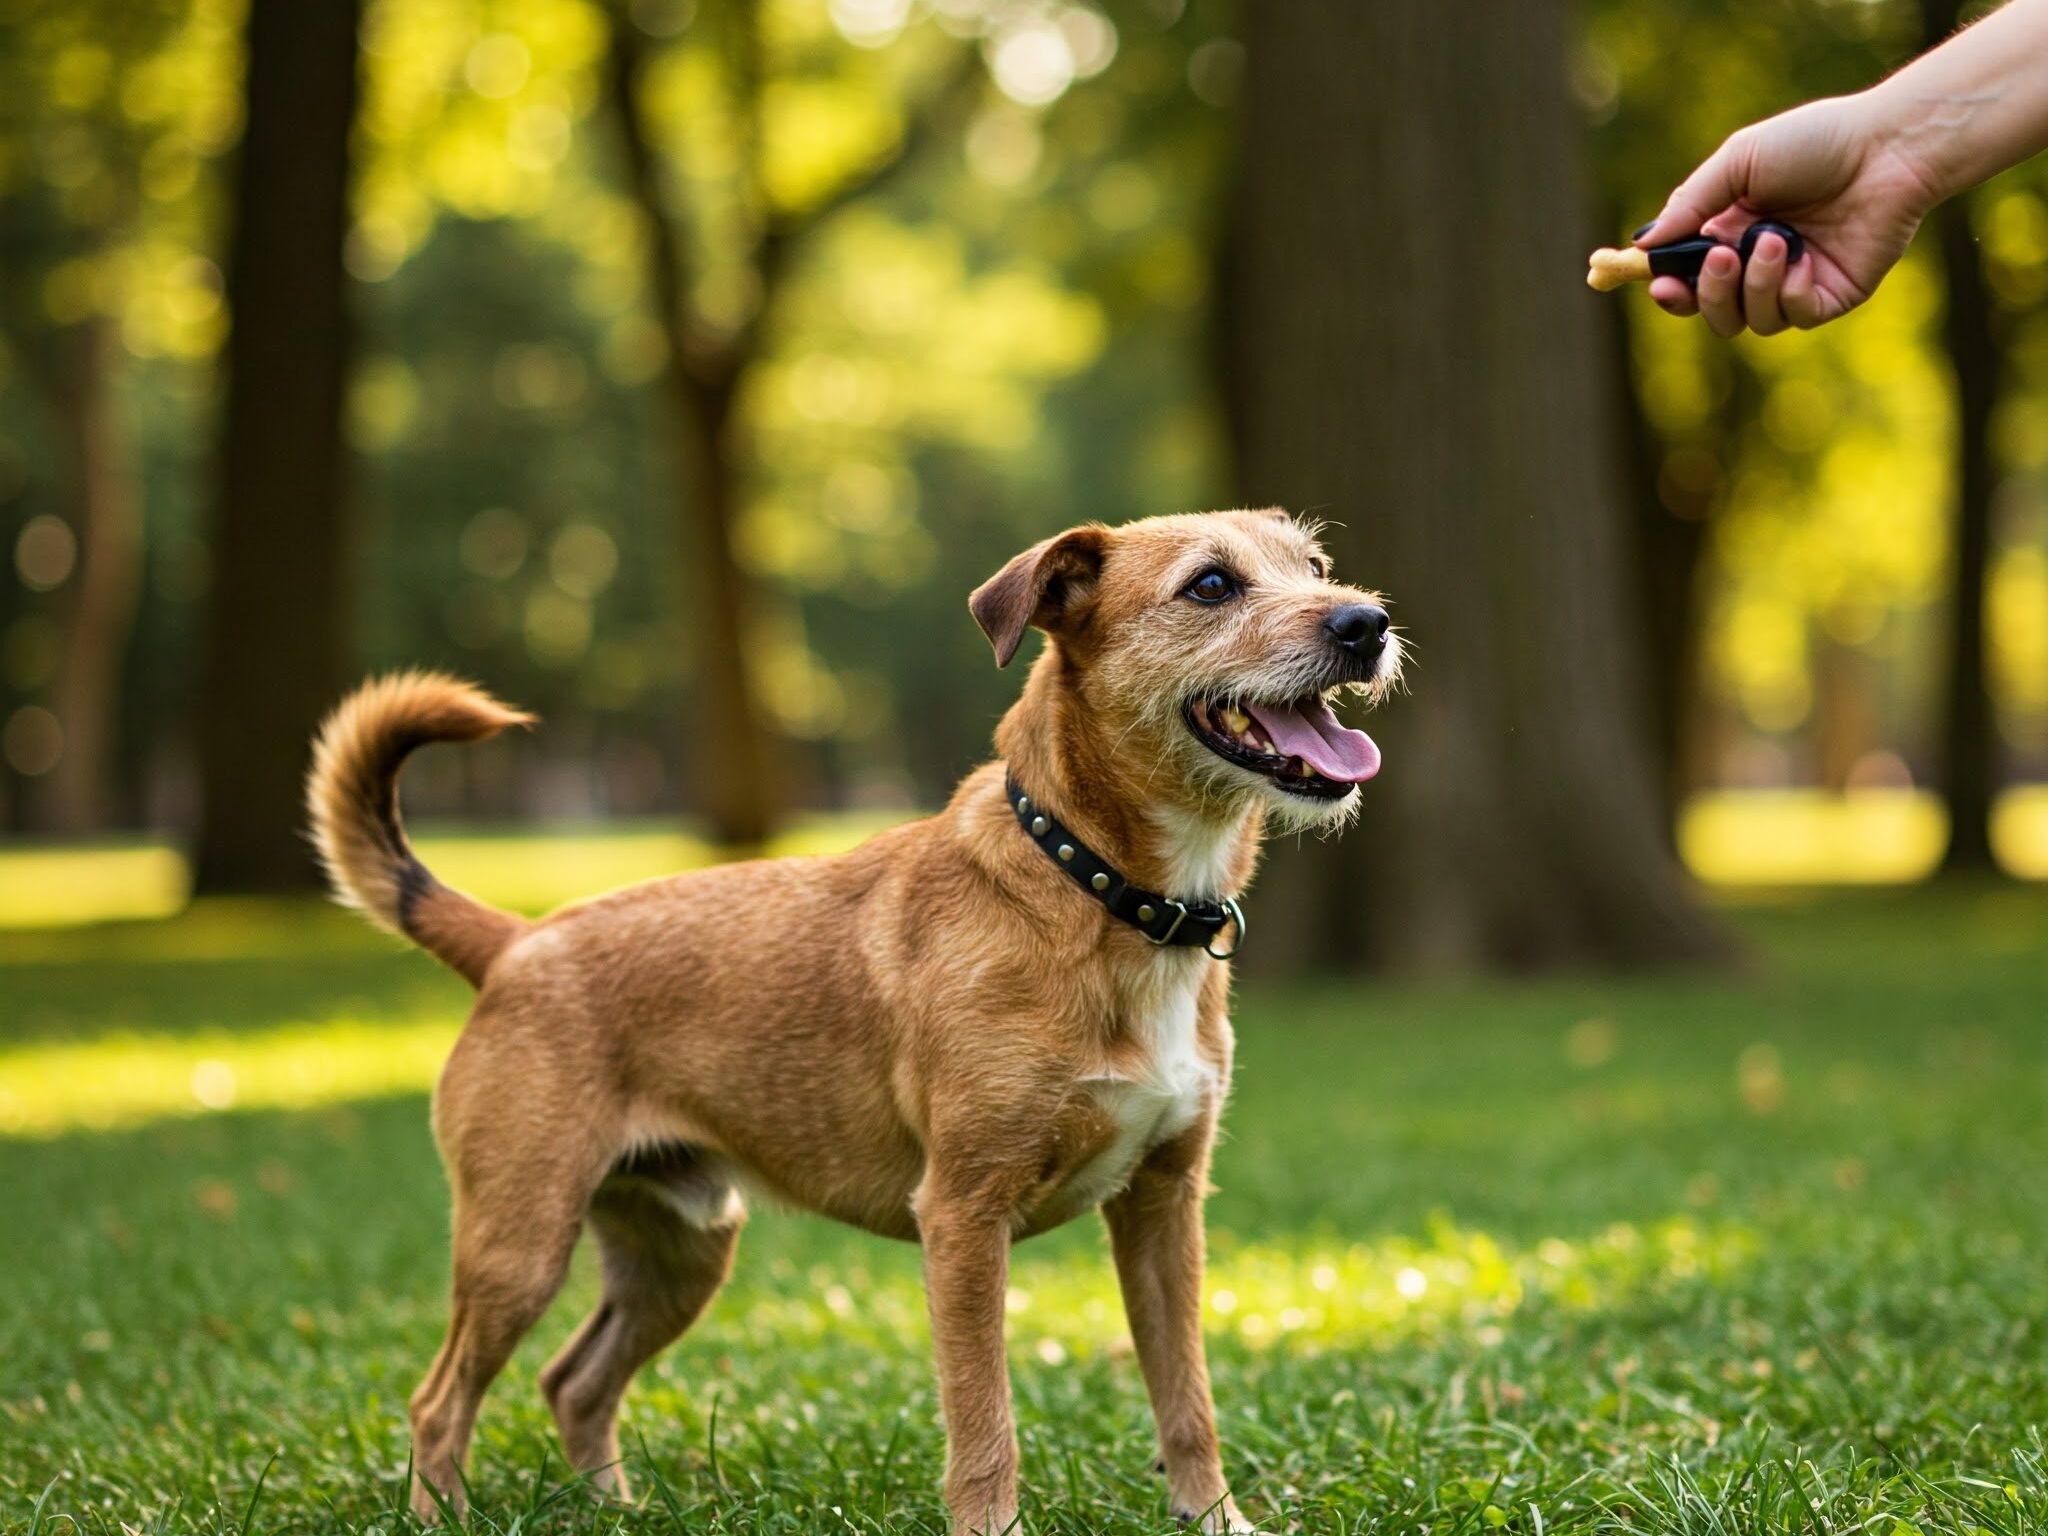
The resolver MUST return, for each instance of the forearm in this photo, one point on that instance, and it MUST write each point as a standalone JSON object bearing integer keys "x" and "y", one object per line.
{"x": 1961, "y": 113}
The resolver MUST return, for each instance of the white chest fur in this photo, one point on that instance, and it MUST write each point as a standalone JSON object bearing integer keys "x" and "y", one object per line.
{"x": 1160, "y": 1100}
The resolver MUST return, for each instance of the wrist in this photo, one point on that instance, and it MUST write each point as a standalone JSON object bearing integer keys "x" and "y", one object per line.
{"x": 1925, "y": 134}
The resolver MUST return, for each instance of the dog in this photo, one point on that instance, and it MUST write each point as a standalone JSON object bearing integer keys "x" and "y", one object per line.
{"x": 968, "y": 1030}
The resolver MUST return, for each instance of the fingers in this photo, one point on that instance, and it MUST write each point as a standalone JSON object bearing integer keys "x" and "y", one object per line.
{"x": 1761, "y": 281}
{"x": 1766, "y": 296}
{"x": 1674, "y": 296}
{"x": 1720, "y": 181}
{"x": 1800, "y": 298}
{"x": 1720, "y": 292}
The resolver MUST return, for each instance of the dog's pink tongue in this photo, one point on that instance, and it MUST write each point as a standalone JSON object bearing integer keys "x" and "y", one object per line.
{"x": 1312, "y": 733}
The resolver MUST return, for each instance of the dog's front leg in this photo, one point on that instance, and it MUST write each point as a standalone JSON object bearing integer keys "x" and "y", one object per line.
{"x": 966, "y": 1272}
{"x": 1155, "y": 1231}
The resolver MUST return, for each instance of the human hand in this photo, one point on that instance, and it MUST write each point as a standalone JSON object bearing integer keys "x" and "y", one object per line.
{"x": 1830, "y": 169}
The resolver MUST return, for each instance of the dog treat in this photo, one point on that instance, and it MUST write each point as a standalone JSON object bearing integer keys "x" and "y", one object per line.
{"x": 1607, "y": 270}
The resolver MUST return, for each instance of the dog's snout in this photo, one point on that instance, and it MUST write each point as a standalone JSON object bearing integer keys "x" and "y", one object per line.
{"x": 1360, "y": 629}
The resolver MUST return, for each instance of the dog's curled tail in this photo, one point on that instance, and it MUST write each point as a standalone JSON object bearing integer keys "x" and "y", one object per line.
{"x": 352, "y": 800}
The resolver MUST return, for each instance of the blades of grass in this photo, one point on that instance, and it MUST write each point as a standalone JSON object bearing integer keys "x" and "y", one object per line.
{"x": 249, "y": 1514}
{"x": 401, "y": 1507}
{"x": 662, "y": 1487}
{"x": 35, "y": 1523}
{"x": 711, "y": 1444}
{"x": 1810, "y": 1505}
{"x": 540, "y": 1475}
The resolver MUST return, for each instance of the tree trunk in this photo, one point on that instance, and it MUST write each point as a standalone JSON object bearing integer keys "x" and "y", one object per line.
{"x": 734, "y": 760}
{"x": 86, "y": 694}
{"x": 702, "y": 379}
{"x": 276, "y": 640}
{"x": 1969, "y": 750}
{"x": 1420, "y": 363}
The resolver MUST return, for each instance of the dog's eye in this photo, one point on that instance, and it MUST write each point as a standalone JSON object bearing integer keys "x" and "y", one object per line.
{"x": 1212, "y": 586}
{"x": 1320, "y": 569}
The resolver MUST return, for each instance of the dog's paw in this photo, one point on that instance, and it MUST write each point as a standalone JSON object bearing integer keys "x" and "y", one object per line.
{"x": 1224, "y": 1519}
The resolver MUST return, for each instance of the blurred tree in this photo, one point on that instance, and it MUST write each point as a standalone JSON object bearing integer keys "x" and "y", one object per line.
{"x": 1976, "y": 358}
{"x": 276, "y": 641}
{"x": 1969, "y": 732}
{"x": 1405, "y": 364}
{"x": 709, "y": 360}
{"x": 85, "y": 693}
{"x": 72, "y": 202}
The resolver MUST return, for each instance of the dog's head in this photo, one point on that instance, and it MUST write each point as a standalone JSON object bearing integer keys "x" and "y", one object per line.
{"x": 1200, "y": 654}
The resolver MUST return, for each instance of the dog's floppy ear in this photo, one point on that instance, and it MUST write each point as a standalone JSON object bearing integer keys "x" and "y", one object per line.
{"x": 1043, "y": 586}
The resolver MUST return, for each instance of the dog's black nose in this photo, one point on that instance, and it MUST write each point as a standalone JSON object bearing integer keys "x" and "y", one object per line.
{"x": 1360, "y": 628}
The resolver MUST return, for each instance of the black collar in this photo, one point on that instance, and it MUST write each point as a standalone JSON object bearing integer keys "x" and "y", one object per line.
{"x": 1163, "y": 920}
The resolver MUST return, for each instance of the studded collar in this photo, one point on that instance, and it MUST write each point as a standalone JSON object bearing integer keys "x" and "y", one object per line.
{"x": 1161, "y": 919}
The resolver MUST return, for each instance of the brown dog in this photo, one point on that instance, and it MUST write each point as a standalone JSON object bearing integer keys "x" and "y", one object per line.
{"x": 966, "y": 1031}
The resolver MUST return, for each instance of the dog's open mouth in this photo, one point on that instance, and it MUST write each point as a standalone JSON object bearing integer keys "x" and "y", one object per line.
{"x": 1299, "y": 745}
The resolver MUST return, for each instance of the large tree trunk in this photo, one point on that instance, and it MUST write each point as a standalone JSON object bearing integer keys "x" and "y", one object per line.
{"x": 1969, "y": 749}
{"x": 276, "y": 640}
{"x": 1420, "y": 363}
{"x": 735, "y": 758}
{"x": 86, "y": 694}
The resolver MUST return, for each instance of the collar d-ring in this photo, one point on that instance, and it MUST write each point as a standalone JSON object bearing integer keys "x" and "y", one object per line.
{"x": 1237, "y": 916}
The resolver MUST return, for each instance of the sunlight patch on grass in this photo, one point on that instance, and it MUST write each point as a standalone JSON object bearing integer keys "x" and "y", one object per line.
{"x": 1303, "y": 1293}
{"x": 1865, "y": 837}
{"x": 57, "y": 887}
{"x": 530, "y": 870}
{"x": 125, "y": 1080}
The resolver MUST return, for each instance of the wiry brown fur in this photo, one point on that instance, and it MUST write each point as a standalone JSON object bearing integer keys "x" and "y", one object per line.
{"x": 936, "y": 1036}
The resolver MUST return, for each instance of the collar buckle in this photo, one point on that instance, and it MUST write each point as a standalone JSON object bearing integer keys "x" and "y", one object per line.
{"x": 1180, "y": 915}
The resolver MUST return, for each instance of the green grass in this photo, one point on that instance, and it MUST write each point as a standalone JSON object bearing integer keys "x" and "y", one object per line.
{"x": 1762, "y": 1255}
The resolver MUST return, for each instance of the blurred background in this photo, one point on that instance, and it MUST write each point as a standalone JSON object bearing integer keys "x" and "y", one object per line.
{"x": 675, "y": 367}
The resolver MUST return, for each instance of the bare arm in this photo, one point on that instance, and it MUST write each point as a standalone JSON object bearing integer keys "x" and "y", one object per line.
{"x": 1856, "y": 175}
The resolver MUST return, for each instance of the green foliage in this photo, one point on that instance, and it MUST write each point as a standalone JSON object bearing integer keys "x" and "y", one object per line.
{"x": 1756, "y": 1257}
{"x": 1009, "y": 336}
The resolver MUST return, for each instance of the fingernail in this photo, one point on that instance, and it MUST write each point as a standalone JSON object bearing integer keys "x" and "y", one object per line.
{"x": 1644, "y": 230}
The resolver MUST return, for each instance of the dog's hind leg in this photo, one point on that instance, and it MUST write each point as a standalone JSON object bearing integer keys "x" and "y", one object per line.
{"x": 666, "y": 1226}
{"x": 523, "y": 1171}
{"x": 508, "y": 1266}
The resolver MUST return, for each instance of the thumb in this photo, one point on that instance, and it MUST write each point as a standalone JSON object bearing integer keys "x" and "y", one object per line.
{"x": 1720, "y": 180}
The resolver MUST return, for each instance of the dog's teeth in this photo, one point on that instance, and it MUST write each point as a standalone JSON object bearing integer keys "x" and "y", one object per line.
{"x": 1308, "y": 770}
{"x": 1235, "y": 721}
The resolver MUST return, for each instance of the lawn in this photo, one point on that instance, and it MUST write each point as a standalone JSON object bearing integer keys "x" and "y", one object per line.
{"x": 1758, "y": 1255}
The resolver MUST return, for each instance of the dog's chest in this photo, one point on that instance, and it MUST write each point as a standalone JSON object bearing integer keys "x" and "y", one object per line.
{"x": 1159, "y": 1095}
